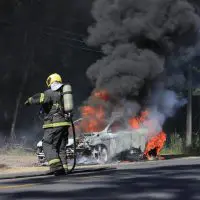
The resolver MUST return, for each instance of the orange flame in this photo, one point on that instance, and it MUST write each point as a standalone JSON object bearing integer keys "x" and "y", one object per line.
{"x": 156, "y": 140}
{"x": 155, "y": 143}
{"x": 94, "y": 117}
{"x": 134, "y": 123}
{"x": 94, "y": 121}
{"x": 137, "y": 121}
{"x": 102, "y": 94}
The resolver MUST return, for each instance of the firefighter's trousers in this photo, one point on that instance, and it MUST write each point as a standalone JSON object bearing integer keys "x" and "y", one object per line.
{"x": 54, "y": 146}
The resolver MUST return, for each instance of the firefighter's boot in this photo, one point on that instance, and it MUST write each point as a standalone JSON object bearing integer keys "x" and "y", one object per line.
{"x": 65, "y": 166}
{"x": 56, "y": 167}
{"x": 60, "y": 172}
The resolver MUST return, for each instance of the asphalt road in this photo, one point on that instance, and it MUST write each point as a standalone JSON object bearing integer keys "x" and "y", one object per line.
{"x": 170, "y": 179}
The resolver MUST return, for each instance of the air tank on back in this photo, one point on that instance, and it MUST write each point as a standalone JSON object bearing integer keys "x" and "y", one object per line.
{"x": 68, "y": 98}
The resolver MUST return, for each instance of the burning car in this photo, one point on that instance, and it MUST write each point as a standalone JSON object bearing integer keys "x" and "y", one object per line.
{"x": 117, "y": 137}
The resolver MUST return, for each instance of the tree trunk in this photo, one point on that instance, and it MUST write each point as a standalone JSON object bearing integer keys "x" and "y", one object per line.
{"x": 12, "y": 133}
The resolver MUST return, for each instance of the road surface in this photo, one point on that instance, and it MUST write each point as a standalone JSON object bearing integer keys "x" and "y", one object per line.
{"x": 177, "y": 179}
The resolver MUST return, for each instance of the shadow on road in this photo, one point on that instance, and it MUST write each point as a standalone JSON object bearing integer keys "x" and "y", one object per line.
{"x": 170, "y": 182}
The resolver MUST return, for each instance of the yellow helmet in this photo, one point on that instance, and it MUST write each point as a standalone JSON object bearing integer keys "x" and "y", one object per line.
{"x": 53, "y": 78}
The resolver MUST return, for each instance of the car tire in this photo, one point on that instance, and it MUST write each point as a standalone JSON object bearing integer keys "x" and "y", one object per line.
{"x": 101, "y": 154}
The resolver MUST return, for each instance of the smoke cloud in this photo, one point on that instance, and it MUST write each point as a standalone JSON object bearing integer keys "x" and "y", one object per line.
{"x": 136, "y": 38}
{"x": 166, "y": 103}
{"x": 178, "y": 64}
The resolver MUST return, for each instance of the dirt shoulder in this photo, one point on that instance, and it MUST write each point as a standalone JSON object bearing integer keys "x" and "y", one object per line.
{"x": 18, "y": 164}
{"x": 15, "y": 164}
{"x": 10, "y": 164}
{"x": 18, "y": 160}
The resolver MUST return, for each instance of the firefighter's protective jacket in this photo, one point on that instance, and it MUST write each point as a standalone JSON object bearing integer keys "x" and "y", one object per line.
{"x": 52, "y": 105}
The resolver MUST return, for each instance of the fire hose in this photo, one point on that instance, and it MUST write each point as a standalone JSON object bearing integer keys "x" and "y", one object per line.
{"x": 74, "y": 145}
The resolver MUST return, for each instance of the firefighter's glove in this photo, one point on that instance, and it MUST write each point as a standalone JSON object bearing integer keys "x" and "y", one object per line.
{"x": 68, "y": 115}
{"x": 27, "y": 102}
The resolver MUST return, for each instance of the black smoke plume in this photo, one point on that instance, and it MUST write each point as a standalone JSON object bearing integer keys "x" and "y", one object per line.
{"x": 136, "y": 38}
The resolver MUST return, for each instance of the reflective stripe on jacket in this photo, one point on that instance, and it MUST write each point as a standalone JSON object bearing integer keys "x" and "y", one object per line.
{"x": 52, "y": 106}
{"x": 57, "y": 124}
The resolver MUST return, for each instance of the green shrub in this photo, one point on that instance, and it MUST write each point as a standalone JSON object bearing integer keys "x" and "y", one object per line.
{"x": 174, "y": 146}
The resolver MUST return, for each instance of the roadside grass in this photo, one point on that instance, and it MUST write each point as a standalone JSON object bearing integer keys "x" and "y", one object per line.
{"x": 176, "y": 145}
{"x": 195, "y": 148}
{"x": 16, "y": 151}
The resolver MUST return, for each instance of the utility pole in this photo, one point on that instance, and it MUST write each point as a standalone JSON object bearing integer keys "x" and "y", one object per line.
{"x": 189, "y": 111}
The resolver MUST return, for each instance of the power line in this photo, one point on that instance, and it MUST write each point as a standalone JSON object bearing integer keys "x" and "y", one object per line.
{"x": 65, "y": 31}
{"x": 67, "y": 38}
{"x": 83, "y": 48}
{"x": 73, "y": 39}
{"x": 74, "y": 46}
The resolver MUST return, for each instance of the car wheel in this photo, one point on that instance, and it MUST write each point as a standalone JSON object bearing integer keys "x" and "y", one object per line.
{"x": 100, "y": 153}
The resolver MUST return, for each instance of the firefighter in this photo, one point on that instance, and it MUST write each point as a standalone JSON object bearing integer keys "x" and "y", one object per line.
{"x": 55, "y": 124}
